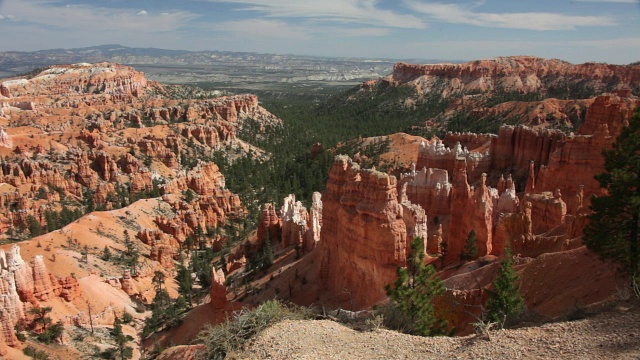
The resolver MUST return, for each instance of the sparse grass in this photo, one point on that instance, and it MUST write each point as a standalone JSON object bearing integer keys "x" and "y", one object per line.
{"x": 130, "y": 223}
{"x": 390, "y": 317}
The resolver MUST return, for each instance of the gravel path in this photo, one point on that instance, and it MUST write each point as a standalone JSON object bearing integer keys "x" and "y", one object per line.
{"x": 612, "y": 335}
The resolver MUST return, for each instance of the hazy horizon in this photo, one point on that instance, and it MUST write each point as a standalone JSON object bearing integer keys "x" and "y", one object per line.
{"x": 576, "y": 31}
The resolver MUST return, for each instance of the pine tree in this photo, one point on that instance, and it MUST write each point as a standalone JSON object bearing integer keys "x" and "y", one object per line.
{"x": 444, "y": 252}
{"x": 613, "y": 231}
{"x": 106, "y": 254}
{"x": 41, "y": 316}
{"x": 158, "y": 280}
{"x": 125, "y": 352}
{"x": 414, "y": 290}
{"x": 505, "y": 299}
{"x": 470, "y": 250}
{"x": 185, "y": 283}
{"x": 34, "y": 226}
{"x": 130, "y": 256}
{"x": 267, "y": 253}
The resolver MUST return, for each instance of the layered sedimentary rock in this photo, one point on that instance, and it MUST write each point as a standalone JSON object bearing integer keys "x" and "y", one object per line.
{"x": 42, "y": 285}
{"x": 163, "y": 246}
{"x": 294, "y": 222}
{"x": 293, "y": 225}
{"x": 571, "y": 168}
{"x": 5, "y": 141}
{"x": 522, "y": 74}
{"x": 364, "y": 235}
{"x": 270, "y": 225}
{"x": 211, "y": 209}
{"x": 430, "y": 188}
{"x": 471, "y": 209}
{"x": 543, "y": 113}
{"x": 516, "y": 146}
{"x": 78, "y": 79}
{"x": 127, "y": 284}
{"x": 314, "y": 228}
{"x": 548, "y": 210}
{"x": 559, "y": 170}
{"x": 613, "y": 110}
{"x": 98, "y": 137}
{"x": 218, "y": 292}
{"x": 436, "y": 155}
{"x": 23, "y": 286}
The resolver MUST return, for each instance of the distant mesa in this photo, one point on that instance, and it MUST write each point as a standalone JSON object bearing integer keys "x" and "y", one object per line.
{"x": 522, "y": 74}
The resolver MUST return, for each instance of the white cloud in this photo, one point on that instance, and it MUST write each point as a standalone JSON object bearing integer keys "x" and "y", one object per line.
{"x": 458, "y": 14}
{"x": 611, "y": 1}
{"x": 7, "y": 17}
{"x": 620, "y": 50}
{"x": 347, "y": 11}
{"x": 261, "y": 28}
{"x": 91, "y": 19}
{"x": 358, "y": 32}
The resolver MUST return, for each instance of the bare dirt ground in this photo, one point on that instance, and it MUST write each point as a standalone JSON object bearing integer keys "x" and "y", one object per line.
{"x": 614, "y": 334}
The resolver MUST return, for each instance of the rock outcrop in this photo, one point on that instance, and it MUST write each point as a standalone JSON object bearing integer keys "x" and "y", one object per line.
{"x": 471, "y": 209}
{"x": 430, "y": 188}
{"x": 270, "y": 226}
{"x": 23, "y": 286}
{"x": 436, "y": 155}
{"x": 218, "y": 292}
{"x": 79, "y": 79}
{"x": 88, "y": 138}
{"x": 521, "y": 74}
{"x": 571, "y": 168}
{"x": 364, "y": 234}
{"x": 367, "y": 217}
{"x": 314, "y": 224}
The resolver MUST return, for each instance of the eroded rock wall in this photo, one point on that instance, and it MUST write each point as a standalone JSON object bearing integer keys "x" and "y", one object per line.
{"x": 364, "y": 233}
{"x": 23, "y": 286}
{"x": 521, "y": 74}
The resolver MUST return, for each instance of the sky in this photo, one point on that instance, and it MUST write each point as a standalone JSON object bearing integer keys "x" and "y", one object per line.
{"x": 577, "y": 31}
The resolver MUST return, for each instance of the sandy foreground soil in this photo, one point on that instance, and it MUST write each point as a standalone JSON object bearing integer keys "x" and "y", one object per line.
{"x": 611, "y": 335}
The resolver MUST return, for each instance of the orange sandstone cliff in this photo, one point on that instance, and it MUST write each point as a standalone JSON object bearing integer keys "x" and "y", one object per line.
{"x": 522, "y": 74}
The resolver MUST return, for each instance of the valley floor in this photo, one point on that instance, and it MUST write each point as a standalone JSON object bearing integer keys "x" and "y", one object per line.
{"x": 610, "y": 335}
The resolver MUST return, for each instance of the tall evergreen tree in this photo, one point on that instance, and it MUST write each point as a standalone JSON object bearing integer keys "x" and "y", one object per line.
{"x": 185, "y": 283}
{"x": 34, "y": 227}
{"x": 267, "y": 252}
{"x": 158, "y": 280}
{"x": 414, "y": 290}
{"x": 505, "y": 299}
{"x": 470, "y": 250}
{"x": 613, "y": 231}
{"x": 124, "y": 352}
{"x": 106, "y": 254}
{"x": 130, "y": 256}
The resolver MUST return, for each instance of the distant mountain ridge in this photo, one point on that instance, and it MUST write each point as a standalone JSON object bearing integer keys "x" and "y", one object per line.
{"x": 17, "y": 62}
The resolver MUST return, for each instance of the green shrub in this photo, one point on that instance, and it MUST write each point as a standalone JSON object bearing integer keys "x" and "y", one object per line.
{"x": 35, "y": 354}
{"x": 393, "y": 318}
{"x": 127, "y": 318}
{"x": 232, "y": 335}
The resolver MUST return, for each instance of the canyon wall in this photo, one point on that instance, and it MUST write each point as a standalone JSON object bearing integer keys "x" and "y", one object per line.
{"x": 521, "y": 74}
{"x": 78, "y": 79}
{"x": 364, "y": 233}
{"x": 368, "y": 216}
{"x": 24, "y": 286}
{"x": 573, "y": 165}
{"x": 293, "y": 225}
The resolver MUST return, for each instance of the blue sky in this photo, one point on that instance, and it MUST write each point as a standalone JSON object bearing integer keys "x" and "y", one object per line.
{"x": 577, "y": 31}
